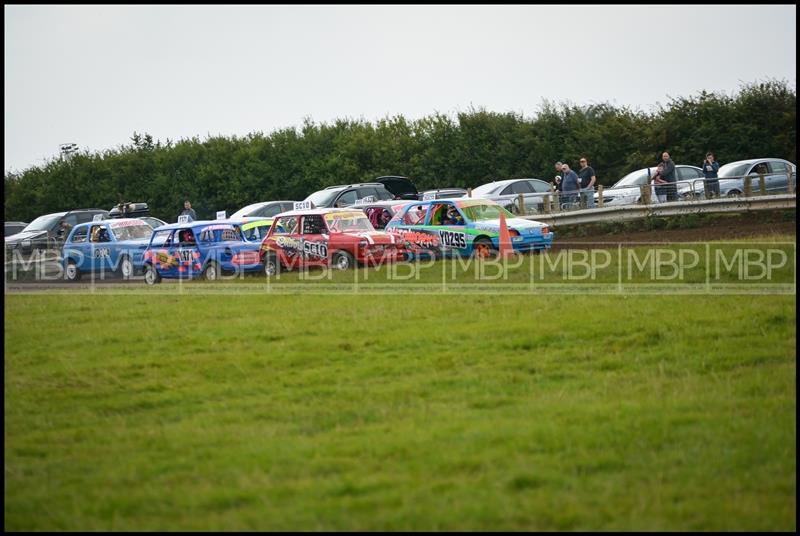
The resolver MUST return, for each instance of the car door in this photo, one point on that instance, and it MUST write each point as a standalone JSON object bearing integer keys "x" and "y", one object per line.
{"x": 689, "y": 182}
{"x": 285, "y": 240}
{"x": 413, "y": 226}
{"x": 777, "y": 180}
{"x": 540, "y": 190}
{"x": 77, "y": 249}
{"x": 314, "y": 237}
{"x": 159, "y": 253}
{"x": 453, "y": 238}
{"x": 100, "y": 247}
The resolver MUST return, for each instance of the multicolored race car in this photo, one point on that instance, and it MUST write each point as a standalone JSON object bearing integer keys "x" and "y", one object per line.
{"x": 199, "y": 248}
{"x": 325, "y": 237}
{"x": 465, "y": 226}
{"x": 106, "y": 246}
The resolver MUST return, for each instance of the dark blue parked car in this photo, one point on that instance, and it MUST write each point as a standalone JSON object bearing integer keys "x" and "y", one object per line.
{"x": 199, "y": 248}
{"x": 106, "y": 246}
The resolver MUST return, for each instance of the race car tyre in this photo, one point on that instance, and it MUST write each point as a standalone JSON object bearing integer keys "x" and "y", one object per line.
{"x": 342, "y": 260}
{"x": 483, "y": 248}
{"x": 126, "y": 269}
{"x": 272, "y": 265}
{"x": 734, "y": 193}
{"x": 211, "y": 272}
{"x": 151, "y": 276}
{"x": 72, "y": 273}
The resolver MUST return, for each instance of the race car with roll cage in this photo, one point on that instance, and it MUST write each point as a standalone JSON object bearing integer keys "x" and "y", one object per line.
{"x": 106, "y": 246}
{"x": 380, "y": 213}
{"x": 207, "y": 249}
{"x": 463, "y": 227}
{"x": 338, "y": 238}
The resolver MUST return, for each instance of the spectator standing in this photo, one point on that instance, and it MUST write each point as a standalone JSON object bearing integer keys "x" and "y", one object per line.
{"x": 668, "y": 174}
{"x": 588, "y": 179}
{"x": 710, "y": 169}
{"x": 559, "y": 176}
{"x": 188, "y": 211}
{"x": 571, "y": 185}
{"x": 658, "y": 180}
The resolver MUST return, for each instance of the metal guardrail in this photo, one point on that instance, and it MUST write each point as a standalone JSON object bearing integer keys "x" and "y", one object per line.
{"x": 673, "y": 208}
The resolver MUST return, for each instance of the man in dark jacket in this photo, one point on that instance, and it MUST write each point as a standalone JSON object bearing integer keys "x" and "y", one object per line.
{"x": 188, "y": 211}
{"x": 710, "y": 169}
{"x": 669, "y": 175}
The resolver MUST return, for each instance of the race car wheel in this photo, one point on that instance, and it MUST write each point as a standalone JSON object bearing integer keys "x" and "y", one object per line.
{"x": 483, "y": 248}
{"x": 211, "y": 272}
{"x": 734, "y": 193}
{"x": 342, "y": 260}
{"x": 272, "y": 265}
{"x": 151, "y": 276}
{"x": 72, "y": 273}
{"x": 126, "y": 269}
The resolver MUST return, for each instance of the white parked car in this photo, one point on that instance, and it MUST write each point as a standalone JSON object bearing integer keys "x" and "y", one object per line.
{"x": 626, "y": 191}
{"x": 506, "y": 193}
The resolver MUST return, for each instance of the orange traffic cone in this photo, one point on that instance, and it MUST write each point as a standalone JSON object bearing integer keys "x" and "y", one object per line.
{"x": 506, "y": 248}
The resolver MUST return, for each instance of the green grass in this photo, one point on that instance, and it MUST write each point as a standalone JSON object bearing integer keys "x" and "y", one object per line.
{"x": 405, "y": 412}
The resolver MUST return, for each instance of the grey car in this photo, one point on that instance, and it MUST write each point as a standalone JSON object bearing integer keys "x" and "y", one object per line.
{"x": 506, "y": 193}
{"x": 775, "y": 171}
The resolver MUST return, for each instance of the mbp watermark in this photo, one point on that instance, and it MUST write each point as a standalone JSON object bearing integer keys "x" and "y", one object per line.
{"x": 573, "y": 267}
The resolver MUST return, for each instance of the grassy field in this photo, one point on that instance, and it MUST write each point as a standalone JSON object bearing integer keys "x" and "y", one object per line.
{"x": 313, "y": 412}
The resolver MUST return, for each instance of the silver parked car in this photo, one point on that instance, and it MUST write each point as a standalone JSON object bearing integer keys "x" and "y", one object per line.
{"x": 626, "y": 191}
{"x": 775, "y": 171}
{"x": 506, "y": 193}
{"x": 265, "y": 209}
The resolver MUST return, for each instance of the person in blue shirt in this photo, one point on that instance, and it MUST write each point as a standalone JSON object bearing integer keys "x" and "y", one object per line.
{"x": 570, "y": 186}
{"x": 710, "y": 169}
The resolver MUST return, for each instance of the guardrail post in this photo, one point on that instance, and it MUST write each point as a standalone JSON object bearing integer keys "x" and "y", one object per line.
{"x": 600, "y": 195}
{"x": 789, "y": 182}
{"x": 762, "y": 184}
{"x": 748, "y": 186}
{"x": 558, "y": 201}
{"x": 469, "y": 192}
{"x": 521, "y": 199}
{"x": 581, "y": 199}
{"x": 547, "y": 206}
{"x": 706, "y": 189}
{"x": 644, "y": 190}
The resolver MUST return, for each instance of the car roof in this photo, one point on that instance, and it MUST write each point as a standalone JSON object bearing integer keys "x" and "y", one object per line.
{"x": 320, "y": 211}
{"x": 109, "y": 221}
{"x": 16, "y": 223}
{"x": 385, "y": 203}
{"x": 355, "y": 185}
{"x": 247, "y": 219}
{"x": 754, "y": 160}
{"x": 191, "y": 224}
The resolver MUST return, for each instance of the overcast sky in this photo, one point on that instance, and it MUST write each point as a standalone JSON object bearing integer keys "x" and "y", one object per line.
{"x": 92, "y": 75}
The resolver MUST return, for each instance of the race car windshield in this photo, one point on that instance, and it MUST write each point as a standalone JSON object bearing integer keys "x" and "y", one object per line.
{"x": 132, "y": 232}
{"x": 43, "y": 223}
{"x": 484, "y": 212}
{"x": 349, "y": 222}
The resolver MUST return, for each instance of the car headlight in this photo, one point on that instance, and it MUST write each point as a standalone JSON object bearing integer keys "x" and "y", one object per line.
{"x": 25, "y": 243}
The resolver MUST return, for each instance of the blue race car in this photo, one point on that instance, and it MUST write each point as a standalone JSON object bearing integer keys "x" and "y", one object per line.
{"x": 199, "y": 248}
{"x": 106, "y": 246}
{"x": 463, "y": 227}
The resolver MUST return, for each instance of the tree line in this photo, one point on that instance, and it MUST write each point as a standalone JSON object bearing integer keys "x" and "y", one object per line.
{"x": 465, "y": 150}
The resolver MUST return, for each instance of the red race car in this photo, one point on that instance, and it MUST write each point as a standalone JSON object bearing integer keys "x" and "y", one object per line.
{"x": 326, "y": 237}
